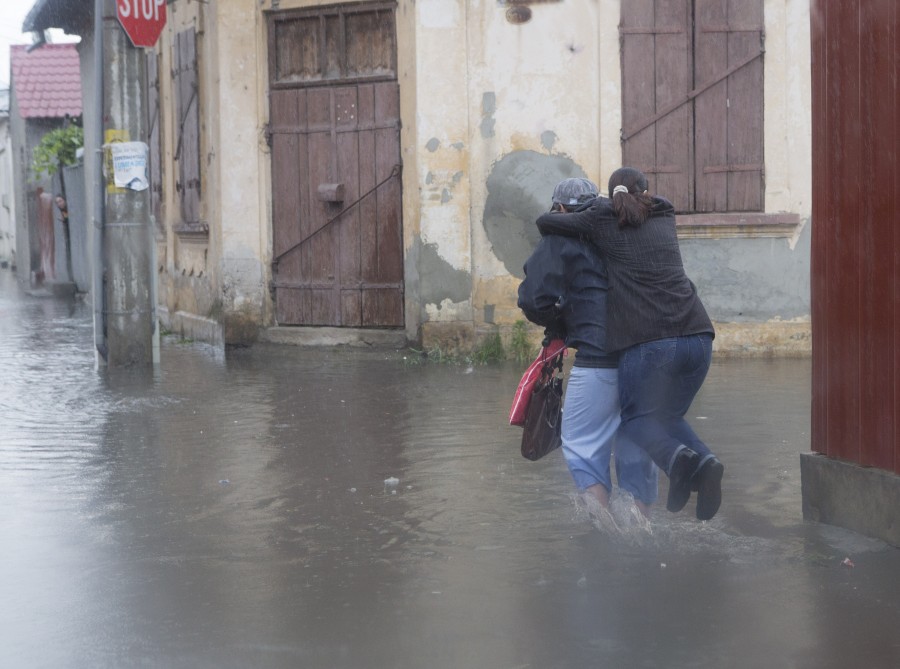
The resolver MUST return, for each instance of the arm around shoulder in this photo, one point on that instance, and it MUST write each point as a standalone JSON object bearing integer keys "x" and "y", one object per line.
{"x": 577, "y": 224}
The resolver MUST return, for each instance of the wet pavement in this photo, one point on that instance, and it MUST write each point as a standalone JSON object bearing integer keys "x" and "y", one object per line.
{"x": 233, "y": 511}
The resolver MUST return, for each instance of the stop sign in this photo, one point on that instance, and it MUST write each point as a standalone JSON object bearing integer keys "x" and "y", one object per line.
{"x": 143, "y": 20}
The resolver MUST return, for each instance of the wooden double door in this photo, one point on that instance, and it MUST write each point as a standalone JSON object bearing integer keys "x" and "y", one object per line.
{"x": 335, "y": 137}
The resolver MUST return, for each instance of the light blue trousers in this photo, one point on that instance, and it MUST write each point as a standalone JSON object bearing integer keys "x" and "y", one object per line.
{"x": 589, "y": 437}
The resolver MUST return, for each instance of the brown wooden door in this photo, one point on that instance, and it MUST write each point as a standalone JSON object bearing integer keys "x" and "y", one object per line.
{"x": 335, "y": 135}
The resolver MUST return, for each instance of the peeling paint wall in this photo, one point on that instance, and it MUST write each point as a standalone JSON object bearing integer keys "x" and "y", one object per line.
{"x": 241, "y": 165}
{"x": 7, "y": 197}
{"x": 187, "y": 264}
{"x": 521, "y": 117}
{"x": 543, "y": 103}
{"x": 220, "y": 277}
{"x": 442, "y": 246}
{"x": 751, "y": 280}
{"x": 519, "y": 189}
{"x": 494, "y": 114}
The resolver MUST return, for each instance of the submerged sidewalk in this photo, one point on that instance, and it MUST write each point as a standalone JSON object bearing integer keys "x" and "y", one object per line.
{"x": 290, "y": 507}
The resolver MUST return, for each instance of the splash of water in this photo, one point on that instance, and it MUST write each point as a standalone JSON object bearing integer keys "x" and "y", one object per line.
{"x": 621, "y": 519}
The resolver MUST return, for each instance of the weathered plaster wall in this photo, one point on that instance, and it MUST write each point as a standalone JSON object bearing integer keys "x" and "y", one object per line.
{"x": 788, "y": 108}
{"x": 189, "y": 276}
{"x": 541, "y": 79}
{"x": 239, "y": 165}
{"x": 7, "y": 198}
{"x": 756, "y": 291}
{"x": 488, "y": 162}
{"x": 412, "y": 195}
{"x": 544, "y": 103}
{"x": 444, "y": 243}
{"x": 23, "y": 239}
{"x": 519, "y": 189}
{"x": 218, "y": 283}
{"x": 744, "y": 280}
{"x": 494, "y": 114}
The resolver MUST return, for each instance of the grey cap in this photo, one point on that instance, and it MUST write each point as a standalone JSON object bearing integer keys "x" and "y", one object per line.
{"x": 574, "y": 191}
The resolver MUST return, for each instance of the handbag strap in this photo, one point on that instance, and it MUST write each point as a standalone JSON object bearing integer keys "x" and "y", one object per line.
{"x": 552, "y": 366}
{"x": 559, "y": 354}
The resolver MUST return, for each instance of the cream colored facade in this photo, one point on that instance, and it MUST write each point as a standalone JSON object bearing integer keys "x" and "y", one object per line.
{"x": 493, "y": 115}
{"x": 208, "y": 286}
{"x": 7, "y": 195}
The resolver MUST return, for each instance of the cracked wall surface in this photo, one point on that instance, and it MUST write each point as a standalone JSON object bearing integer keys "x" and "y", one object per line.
{"x": 514, "y": 114}
{"x": 493, "y": 116}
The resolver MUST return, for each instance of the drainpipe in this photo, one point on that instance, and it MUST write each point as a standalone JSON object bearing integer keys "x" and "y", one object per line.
{"x": 97, "y": 288}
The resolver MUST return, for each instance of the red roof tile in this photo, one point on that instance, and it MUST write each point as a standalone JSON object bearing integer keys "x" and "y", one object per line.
{"x": 47, "y": 81}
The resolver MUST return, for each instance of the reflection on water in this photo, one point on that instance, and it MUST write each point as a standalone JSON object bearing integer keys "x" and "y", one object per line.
{"x": 234, "y": 512}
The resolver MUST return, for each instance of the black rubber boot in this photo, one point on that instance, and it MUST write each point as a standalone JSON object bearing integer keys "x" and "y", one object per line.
{"x": 680, "y": 479}
{"x": 709, "y": 488}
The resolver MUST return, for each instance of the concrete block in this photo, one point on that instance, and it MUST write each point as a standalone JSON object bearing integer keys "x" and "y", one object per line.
{"x": 332, "y": 336}
{"x": 191, "y": 326}
{"x": 452, "y": 337}
{"x": 772, "y": 339}
{"x": 862, "y": 499}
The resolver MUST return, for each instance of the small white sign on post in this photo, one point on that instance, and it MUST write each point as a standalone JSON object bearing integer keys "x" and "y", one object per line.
{"x": 129, "y": 161}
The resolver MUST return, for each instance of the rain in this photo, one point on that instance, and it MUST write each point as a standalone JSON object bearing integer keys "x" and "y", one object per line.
{"x": 281, "y": 506}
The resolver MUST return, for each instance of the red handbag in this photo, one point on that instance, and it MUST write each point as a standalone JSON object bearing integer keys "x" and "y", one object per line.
{"x": 526, "y": 388}
{"x": 543, "y": 421}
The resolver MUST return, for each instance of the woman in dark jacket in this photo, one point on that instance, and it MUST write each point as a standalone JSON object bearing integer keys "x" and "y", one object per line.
{"x": 564, "y": 290}
{"x": 658, "y": 325}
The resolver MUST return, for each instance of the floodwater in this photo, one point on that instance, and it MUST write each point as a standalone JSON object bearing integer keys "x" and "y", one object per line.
{"x": 233, "y": 511}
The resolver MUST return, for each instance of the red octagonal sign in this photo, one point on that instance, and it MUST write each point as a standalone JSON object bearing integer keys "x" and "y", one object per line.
{"x": 143, "y": 20}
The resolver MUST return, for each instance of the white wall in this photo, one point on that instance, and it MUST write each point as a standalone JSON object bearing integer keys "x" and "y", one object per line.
{"x": 7, "y": 198}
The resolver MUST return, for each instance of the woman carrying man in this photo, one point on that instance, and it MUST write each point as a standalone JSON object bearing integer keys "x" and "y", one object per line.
{"x": 657, "y": 324}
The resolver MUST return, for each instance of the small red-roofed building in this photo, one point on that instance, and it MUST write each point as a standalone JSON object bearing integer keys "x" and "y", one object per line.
{"x": 45, "y": 94}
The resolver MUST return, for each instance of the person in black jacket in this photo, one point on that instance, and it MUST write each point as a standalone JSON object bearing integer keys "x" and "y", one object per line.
{"x": 565, "y": 291}
{"x": 659, "y": 327}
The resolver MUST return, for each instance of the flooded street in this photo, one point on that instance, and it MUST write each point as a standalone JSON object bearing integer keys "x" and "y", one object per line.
{"x": 238, "y": 511}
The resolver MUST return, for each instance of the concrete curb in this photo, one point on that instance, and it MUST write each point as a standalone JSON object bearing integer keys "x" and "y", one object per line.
{"x": 330, "y": 336}
{"x": 862, "y": 499}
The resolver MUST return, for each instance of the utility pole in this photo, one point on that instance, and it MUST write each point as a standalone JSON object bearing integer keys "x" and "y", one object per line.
{"x": 129, "y": 311}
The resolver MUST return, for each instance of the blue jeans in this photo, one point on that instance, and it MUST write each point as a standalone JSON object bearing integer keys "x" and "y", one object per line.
{"x": 657, "y": 383}
{"x": 589, "y": 437}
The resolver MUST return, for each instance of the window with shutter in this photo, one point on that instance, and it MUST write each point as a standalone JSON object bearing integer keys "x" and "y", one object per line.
{"x": 153, "y": 135}
{"x": 187, "y": 132}
{"x": 692, "y": 100}
{"x": 346, "y": 43}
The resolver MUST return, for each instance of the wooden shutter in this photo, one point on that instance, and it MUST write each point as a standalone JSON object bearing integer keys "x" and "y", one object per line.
{"x": 343, "y": 43}
{"x": 656, "y": 75}
{"x": 187, "y": 151}
{"x": 153, "y": 137}
{"x": 729, "y": 114}
{"x": 692, "y": 100}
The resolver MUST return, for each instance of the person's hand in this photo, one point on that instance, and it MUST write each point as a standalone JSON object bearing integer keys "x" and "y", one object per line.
{"x": 549, "y": 336}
